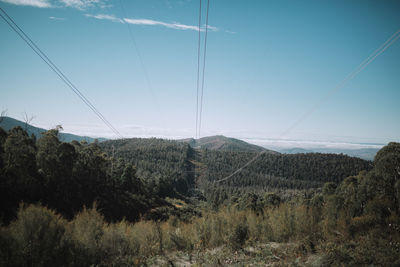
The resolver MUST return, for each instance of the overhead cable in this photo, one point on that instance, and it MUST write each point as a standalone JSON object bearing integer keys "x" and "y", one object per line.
{"x": 389, "y": 42}
{"x": 54, "y": 67}
{"x": 198, "y": 73}
{"x": 204, "y": 69}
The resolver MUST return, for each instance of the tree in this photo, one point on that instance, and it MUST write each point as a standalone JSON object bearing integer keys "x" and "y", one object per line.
{"x": 27, "y": 119}
{"x": 19, "y": 179}
{"x": 2, "y": 115}
{"x": 47, "y": 154}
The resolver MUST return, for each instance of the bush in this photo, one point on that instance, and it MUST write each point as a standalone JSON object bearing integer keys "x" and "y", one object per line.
{"x": 8, "y": 248}
{"x": 116, "y": 246}
{"x": 148, "y": 238}
{"x": 239, "y": 235}
{"x": 85, "y": 233}
{"x": 282, "y": 223}
{"x": 360, "y": 225}
{"x": 37, "y": 238}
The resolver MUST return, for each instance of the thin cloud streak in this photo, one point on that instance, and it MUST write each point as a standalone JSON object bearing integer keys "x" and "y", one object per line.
{"x": 150, "y": 22}
{"x": 34, "y": 3}
{"x": 84, "y": 4}
{"x": 231, "y": 32}
{"x": 105, "y": 17}
{"x": 56, "y": 18}
{"x": 77, "y": 4}
{"x": 176, "y": 26}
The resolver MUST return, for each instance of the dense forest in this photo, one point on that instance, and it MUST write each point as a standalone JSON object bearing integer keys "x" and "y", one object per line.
{"x": 191, "y": 169}
{"x": 157, "y": 202}
{"x": 315, "y": 167}
{"x": 165, "y": 165}
{"x": 68, "y": 176}
{"x": 272, "y": 172}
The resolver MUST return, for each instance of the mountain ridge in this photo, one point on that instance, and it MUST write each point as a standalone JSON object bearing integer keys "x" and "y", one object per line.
{"x": 223, "y": 143}
{"x": 8, "y": 123}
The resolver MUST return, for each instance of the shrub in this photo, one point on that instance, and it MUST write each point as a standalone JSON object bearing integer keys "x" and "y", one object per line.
{"x": 116, "y": 246}
{"x": 148, "y": 238}
{"x": 38, "y": 238}
{"x": 85, "y": 233}
{"x": 239, "y": 235}
{"x": 8, "y": 248}
{"x": 360, "y": 225}
{"x": 282, "y": 223}
{"x": 203, "y": 231}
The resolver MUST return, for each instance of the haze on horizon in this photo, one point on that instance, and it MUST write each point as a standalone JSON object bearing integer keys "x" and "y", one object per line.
{"x": 268, "y": 63}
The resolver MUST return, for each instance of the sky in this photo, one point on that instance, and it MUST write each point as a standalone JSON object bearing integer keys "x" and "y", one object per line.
{"x": 268, "y": 63}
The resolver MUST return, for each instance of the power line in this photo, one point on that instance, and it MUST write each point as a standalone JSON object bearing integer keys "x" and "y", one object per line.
{"x": 54, "y": 67}
{"x": 330, "y": 93}
{"x": 136, "y": 46}
{"x": 204, "y": 68}
{"x": 198, "y": 72}
{"x": 146, "y": 75}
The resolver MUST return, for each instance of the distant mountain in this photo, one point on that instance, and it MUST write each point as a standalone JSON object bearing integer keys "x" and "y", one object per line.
{"x": 8, "y": 123}
{"x": 294, "y": 150}
{"x": 223, "y": 143}
{"x": 363, "y": 153}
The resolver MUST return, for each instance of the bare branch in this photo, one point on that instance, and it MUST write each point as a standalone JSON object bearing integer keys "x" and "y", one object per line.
{"x": 59, "y": 128}
{"x": 3, "y": 114}
{"x": 27, "y": 119}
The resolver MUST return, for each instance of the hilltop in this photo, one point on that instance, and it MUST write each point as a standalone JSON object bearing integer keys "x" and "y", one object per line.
{"x": 223, "y": 143}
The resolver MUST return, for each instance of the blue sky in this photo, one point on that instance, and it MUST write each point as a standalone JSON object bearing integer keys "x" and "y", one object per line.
{"x": 268, "y": 63}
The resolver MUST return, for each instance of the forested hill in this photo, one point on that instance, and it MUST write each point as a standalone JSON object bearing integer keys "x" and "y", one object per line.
{"x": 69, "y": 176}
{"x": 165, "y": 164}
{"x": 8, "y": 123}
{"x": 223, "y": 143}
{"x": 363, "y": 153}
{"x": 172, "y": 162}
{"x": 284, "y": 171}
{"x": 131, "y": 177}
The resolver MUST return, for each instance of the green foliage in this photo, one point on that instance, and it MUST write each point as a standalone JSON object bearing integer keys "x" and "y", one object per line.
{"x": 116, "y": 245}
{"x": 297, "y": 170}
{"x": 165, "y": 166}
{"x": 329, "y": 189}
{"x": 19, "y": 178}
{"x": 85, "y": 233}
{"x": 348, "y": 221}
{"x": 239, "y": 235}
{"x": 272, "y": 200}
{"x": 66, "y": 177}
{"x": 37, "y": 238}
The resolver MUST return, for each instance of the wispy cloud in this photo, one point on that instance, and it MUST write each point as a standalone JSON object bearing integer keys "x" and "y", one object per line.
{"x": 176, "y": 26}
{"x": 105, "y": 17}
{"x": 85, "y": 4}
{"x": 77, "y": 4}
{"x": 231, "y": 32}
{"x": 34, "y": 3}
{"x": 150, "y": 22}
{"x": 56, "y": 18}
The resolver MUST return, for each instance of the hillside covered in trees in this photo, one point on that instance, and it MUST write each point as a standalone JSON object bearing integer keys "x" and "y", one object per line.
{"x": 68, "y": 176}
{"x": 153, "y": 201}
{"x": 166, "y": 160}
{"x": 165, "y": 165}
{"x": 7, "y": 123}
